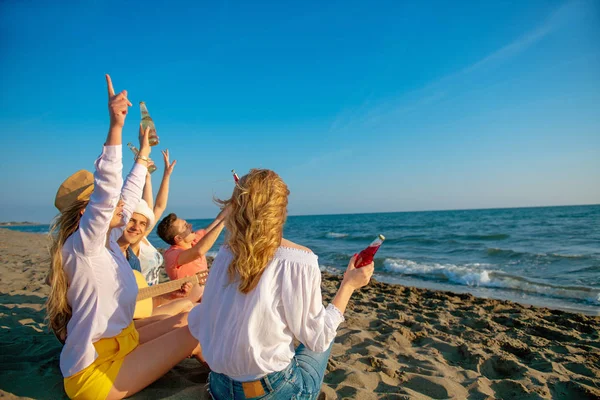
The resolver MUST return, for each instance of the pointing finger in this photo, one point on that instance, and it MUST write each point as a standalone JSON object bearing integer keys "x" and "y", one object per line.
{"x": 111, "y": 90}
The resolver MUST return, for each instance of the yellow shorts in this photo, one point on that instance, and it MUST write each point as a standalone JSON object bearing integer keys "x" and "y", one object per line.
{"x": 96, "y": 380}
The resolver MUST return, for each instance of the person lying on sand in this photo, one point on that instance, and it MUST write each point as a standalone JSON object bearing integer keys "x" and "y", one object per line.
{"x": 93, "y": 289}
{"x": 268, "y": 288}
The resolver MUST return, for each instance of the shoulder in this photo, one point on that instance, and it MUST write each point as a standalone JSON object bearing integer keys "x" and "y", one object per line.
{"x": 296, "y": 259}
{"x": 292, "y": 245}
{"x": 172, "y": 252}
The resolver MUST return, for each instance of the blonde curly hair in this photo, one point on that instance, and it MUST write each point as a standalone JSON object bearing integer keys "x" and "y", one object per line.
{"x": 258, "y": 210}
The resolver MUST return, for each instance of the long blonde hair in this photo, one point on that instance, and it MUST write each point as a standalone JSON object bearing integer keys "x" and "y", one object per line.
{"x": 258, "y": 210}
{"x": 58, "y": 311}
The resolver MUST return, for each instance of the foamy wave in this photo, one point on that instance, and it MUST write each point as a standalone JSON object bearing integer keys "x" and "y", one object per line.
{"x": 334, "y": 235}
{"x": 471, "y": 275}
{"x": 477, "y": 275}
{"x": 329, "y": 269}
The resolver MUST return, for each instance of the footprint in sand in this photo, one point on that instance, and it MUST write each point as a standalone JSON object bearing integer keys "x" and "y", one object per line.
{"x": 499, "y": 367}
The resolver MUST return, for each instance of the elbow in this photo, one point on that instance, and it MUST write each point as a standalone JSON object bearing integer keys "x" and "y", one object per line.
{"x": 322, "y": 347}
{"x": 321, "y": 343}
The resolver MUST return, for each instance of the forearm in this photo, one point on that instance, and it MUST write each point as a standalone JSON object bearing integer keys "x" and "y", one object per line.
{"x": 217, "y": 221}
{"x": 204, "y": 244}
{"x": 162, "y": 196}
{"x": 114, "y": 136}
{"x": 147, "y": 195}
{"x": 342, "y": 297}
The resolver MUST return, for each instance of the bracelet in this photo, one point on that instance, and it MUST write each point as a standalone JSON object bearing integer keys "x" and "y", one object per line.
{"x": 143, "y": 158}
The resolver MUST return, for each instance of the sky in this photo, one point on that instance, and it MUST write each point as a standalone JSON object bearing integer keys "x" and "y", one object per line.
{"x": 359, "y": 106}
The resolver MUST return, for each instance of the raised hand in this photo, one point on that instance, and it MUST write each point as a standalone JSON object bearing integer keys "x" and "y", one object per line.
{"x": 117, "y": 105}
{"x": 144, "y": 145}
{"x": 168, "y": 166}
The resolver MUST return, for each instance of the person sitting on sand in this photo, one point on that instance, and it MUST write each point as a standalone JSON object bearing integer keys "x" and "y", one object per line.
{"x": 187, "y": 254}
{"x": 93, "y": 289}
{"x": 263, "y": 291}
{"x": 136, "y": 230}
{"x": 151, "y": 260}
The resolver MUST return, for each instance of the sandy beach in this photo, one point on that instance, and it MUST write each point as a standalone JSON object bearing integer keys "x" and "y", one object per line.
{"x": 397, "y": 343}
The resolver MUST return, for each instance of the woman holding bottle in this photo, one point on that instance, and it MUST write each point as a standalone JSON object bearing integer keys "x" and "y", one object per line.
{"x": 263, "y": 291}
{"x": 93, "y": 290}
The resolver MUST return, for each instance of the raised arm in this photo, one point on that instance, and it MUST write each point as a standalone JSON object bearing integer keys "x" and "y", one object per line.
{"x": 147, "y": 195}
{"x": 108, "y": 178}
{"x": 220, "y": 218}
{"x": 202, "y": 247}
{"x": 134, "y": 184}
{"x": 162, "y": 196}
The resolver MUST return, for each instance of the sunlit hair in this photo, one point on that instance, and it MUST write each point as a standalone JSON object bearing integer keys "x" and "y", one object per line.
{"x": 58, "y": 311}
{"x": 255, "y": 224}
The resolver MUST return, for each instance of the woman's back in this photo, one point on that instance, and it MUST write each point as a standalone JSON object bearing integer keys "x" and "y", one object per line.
{"x": 246, "y": 336}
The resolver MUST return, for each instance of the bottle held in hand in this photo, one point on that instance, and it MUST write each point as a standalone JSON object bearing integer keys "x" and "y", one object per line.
{"x": 148, "y": 123}
{"x": 135, "y": 151}
{"x": 236, "y": 178}
{"x": 366, "y": 256}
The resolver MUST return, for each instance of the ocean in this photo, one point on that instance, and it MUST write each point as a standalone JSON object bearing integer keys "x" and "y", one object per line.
{"x": 544, "y": 256}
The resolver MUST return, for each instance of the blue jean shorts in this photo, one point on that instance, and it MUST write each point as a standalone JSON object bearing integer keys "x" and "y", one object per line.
{"x": 300, "y": 380}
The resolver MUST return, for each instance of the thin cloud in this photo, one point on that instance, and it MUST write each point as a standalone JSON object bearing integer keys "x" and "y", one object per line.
{"x": 437, "y": 90}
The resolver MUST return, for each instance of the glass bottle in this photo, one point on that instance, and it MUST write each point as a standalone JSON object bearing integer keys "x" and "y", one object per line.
{"x": 366, "y": 256}
{"x": 148, "y": 123}
{"x": 135, "y": 151}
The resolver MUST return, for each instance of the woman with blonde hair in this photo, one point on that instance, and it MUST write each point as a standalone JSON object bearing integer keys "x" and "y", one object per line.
{"x": 92, "y": 287}
{"x": 263, "y": 291}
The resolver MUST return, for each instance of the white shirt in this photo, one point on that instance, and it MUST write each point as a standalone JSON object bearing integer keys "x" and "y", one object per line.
{"x": 151, "y": 261}
{"x": 247, "y": 336}
{"x": 102, "y": 289}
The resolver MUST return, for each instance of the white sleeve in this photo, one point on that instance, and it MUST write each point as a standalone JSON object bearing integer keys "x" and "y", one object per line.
{"x": 131, "y": 195}
{"x": 80, "y": 339}
{"x": 311, "y": 323}
{"x": 96, "y": 218}
{"x": 132, "y": 189}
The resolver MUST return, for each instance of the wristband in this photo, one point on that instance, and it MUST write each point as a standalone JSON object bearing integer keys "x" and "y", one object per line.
{"x": 143, "y": 158}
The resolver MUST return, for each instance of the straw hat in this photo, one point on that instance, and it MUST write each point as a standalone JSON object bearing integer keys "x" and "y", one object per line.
{"x": 78, "y": 186}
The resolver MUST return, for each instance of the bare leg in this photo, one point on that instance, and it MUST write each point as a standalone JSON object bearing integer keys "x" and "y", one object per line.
{"x": 196, "y": 293}
{"x": 173, "y": 307}
{"x": 140, "y": 323}
{"x": 151, "y": 360}
{"x": 152, "y": 331}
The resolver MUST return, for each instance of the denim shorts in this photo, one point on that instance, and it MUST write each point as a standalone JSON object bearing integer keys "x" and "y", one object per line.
{"x": 300, "y": 380}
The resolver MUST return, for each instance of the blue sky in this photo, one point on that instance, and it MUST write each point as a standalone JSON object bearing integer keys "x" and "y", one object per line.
{"x": 359, "y": 106}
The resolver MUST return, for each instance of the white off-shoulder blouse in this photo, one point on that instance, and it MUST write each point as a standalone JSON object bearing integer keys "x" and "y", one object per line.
{"x": 247, "y": 336}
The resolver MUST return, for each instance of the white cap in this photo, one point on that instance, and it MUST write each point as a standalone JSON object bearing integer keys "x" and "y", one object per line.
{"x": 144, "y": 209}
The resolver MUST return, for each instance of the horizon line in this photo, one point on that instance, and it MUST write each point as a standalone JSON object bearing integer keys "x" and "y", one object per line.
{"x": 31, "y": 223}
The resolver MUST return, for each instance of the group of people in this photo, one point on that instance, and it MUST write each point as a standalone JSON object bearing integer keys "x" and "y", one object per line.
{"x": 262, "y": 290}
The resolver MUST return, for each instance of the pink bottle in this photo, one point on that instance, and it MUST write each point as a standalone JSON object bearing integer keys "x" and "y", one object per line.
{"x": 366, "y": 256}
{"x": 236, "y": 178}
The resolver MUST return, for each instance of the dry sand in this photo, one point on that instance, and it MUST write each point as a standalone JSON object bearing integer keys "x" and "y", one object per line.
{"x": 397, "y": 343}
